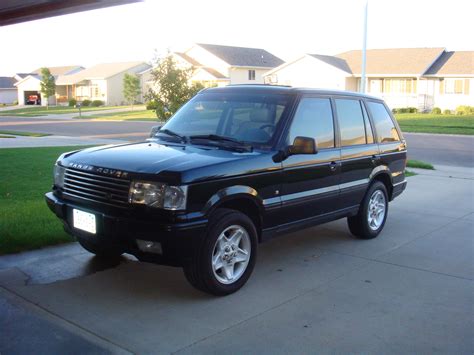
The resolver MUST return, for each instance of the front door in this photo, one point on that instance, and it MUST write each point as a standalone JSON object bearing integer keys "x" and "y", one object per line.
{"x": 310, "y": 185}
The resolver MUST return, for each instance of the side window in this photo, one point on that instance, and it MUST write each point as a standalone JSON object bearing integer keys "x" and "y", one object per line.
{"x": 313, "y": 118}
{"x": 386, "y": 131}
{"x": 368, "y": 126}
{"x": 351, "y": 122}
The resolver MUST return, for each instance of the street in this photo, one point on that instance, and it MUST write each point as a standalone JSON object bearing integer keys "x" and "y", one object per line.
{"x": 435, "y": 149}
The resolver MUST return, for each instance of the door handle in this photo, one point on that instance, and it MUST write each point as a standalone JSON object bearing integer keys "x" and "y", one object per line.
{"x": 333, "y": 166}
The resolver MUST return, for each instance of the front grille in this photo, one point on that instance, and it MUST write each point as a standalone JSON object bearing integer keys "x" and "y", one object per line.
{"x": 94, "y": 187}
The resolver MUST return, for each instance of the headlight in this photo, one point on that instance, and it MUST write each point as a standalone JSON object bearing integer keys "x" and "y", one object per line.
{"x": 158, "y": 195}
{"x": 59, "y": 175}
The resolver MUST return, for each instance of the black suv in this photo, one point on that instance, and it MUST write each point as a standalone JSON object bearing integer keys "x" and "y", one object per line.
{"x": 233, "y": 167}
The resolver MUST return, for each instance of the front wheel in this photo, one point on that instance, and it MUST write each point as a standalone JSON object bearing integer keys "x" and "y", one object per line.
{"x": 226, "y": 257}
{"x": 370, "y": 220}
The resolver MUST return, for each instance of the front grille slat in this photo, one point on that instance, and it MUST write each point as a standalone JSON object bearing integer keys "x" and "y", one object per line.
{"x": 91, "y": 186}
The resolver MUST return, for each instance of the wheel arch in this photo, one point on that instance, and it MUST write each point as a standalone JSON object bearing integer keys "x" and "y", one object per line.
{"x": 382, "y": 174}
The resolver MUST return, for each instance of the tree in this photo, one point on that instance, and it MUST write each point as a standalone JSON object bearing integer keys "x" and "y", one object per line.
{"x": 47, "y": 84}
{"x": 173, "y": 87}
{"x": 131, "y": 87}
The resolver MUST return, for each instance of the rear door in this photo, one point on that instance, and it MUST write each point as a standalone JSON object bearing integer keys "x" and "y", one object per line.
{"x": 359, "y": 151}
{"x": 311, "y": 181}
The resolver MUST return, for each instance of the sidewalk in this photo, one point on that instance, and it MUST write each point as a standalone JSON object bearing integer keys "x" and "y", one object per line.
{"x": 54, "y": 141}
{"x": 318, "y": 290}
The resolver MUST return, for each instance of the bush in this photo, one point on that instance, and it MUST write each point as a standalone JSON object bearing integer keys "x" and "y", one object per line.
{"x": 86, "y": 103}
{"x": 436, "y": 110}
{"x": 151, "y": 105}
{"x": 447, "y": 112}
{"x": 412, "y": 110}
{"x": 464, "y": 110}
{"x": 72, "y": 102}
{"x": 97, "y": 103}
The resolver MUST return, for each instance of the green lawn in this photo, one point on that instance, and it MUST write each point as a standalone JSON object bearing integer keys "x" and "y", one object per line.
{"x": 431, "y": 123}
{"x": 25, "y": 220}
{"x": 419, "y": 164}
{"x": 53, "y": 110}
{"x": 139, "y": 115}
{"x": 26, "y": 134}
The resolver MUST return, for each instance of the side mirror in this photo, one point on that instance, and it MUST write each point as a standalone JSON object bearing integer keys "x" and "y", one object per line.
{"x": 301, "y": 145}
{"x": 154, "y": 130}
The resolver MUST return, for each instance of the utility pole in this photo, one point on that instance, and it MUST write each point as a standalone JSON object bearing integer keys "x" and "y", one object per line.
{"x": 364, "y": 49}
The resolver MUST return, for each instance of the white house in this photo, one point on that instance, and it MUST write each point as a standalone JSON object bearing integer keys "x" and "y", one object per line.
{"x": 404, "y": 77}
{"x": 216, "y": 65}
{"x": 8, "y": 93}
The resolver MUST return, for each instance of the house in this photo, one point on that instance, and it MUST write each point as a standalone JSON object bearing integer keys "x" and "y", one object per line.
{"x": 28, "y": 84}
{"x": 216, "y": 65}
{"x": 7, "y": 90}
{"x": 403, "y": 77}
{"x": 101, "y": 82}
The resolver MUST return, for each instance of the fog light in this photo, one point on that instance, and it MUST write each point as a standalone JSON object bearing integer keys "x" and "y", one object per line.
{"x": 149, "y": 246}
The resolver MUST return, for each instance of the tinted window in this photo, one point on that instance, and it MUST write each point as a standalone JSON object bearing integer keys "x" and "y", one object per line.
{"x": 386, "y": 131}
{"x": 368, "y": 126}
{"x": 351, "y": 122}
{"x": 313, "y": 118}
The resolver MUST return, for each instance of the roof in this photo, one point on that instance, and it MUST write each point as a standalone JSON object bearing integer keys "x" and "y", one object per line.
{"x": 23, "y": 75}
{"x": 7, "y": 82}
{"x": 243, "y": 56}
{"x": 214, "y": 73}
{"x": 65, "y": 70}
{"x": 187, "y": 58}
{"x": 452, "y": 63}
{"x": 393, "y": 61}
{"x": 334, "y": 61}
{"x": 283, "y": 89}
{"x": 100, "y": 71}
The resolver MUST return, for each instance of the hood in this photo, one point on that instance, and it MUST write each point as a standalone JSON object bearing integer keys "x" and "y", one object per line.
{"x": 173, "y": 163}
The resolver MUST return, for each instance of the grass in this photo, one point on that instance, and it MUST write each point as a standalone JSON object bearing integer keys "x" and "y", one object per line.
{"x": 432, "y": 123}
{"x": 409, "y": 173}
{"x": 53, "y": 110}
{"x": 419, "y": 164}
{"x": 25, "y": 220}
{"x": 26, "y": 134}
{"x": 141, "y": 115}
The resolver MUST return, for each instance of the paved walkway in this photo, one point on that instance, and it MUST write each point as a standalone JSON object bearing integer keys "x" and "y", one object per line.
{"x": 411, "y": 290}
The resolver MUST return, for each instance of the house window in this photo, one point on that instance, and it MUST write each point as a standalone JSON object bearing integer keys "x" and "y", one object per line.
{"x": 399, "y": 86}
{"x": 252, "y": 74}
{"x": 453, "y": 86}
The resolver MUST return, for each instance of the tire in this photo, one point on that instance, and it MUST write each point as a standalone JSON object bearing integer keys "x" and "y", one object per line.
{"x": 359, "y": 225}
{"x": 203, "y": 271}
{"x": 99, "y": 249}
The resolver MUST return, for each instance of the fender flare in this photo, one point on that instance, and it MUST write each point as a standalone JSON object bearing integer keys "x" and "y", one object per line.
{"x": 232, "y": 193}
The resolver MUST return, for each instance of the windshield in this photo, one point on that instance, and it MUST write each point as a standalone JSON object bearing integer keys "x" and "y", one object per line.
{"x": 243, "y": 117}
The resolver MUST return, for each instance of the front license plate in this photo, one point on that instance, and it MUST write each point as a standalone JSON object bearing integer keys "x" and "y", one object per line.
{"x": 84, "y": 221}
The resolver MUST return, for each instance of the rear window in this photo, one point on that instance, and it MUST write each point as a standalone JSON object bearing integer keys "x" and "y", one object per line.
{"x": 386, "y": 131}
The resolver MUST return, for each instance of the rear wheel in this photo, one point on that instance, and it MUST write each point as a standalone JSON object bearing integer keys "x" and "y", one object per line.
{"x": 99, "y": 249}
{"x": 370, "y": 220}
{"x": 226, "y": 257}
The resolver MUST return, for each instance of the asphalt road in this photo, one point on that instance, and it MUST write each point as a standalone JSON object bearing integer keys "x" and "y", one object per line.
{"x": 435, "y": 149}
{"x": 319, "y": 290}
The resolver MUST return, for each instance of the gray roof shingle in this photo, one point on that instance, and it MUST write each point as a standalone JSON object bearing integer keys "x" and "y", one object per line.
{"x": 242, "y": 56}
{"x": 7, "y": 82}
{"x": 452, "y": 63}
{"x": 334, "y": 61}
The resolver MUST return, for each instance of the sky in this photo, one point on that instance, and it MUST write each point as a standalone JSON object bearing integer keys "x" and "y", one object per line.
{"x": 286, "y": 28}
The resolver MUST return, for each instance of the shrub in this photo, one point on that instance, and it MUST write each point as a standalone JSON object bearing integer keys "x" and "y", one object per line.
{"x": 97, "y": 103}
{"x": 436, "y": 110}
{"x": 412, "y": 109}
{"x": 446, "y": 112}
{"x": 72, "y": 102}
{"x": 151, "y": 105}
{"x": 86, "y": 103}
{"x": 464, "y": 110}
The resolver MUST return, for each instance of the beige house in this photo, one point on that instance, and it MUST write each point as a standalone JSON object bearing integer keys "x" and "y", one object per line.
{"x": 216, "y": 65}
{"x": 101, "y": 82}
{"x": 404, "y": 77}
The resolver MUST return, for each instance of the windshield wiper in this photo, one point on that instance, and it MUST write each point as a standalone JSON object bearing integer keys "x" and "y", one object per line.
{"x": 214, "y": 137}
{"x": 172, "y": 134}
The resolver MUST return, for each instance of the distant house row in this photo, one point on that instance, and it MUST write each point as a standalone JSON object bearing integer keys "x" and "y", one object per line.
{"x": 412, "y": 77}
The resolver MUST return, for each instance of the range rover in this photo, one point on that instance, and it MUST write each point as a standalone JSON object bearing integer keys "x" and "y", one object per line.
{"x": 232, "y": 168}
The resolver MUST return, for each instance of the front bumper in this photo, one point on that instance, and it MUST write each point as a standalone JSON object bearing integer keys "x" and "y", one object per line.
{"x": 178, "y": 240}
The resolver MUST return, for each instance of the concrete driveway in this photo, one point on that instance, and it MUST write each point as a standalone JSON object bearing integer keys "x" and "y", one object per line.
{"x": 316, "y": 291}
